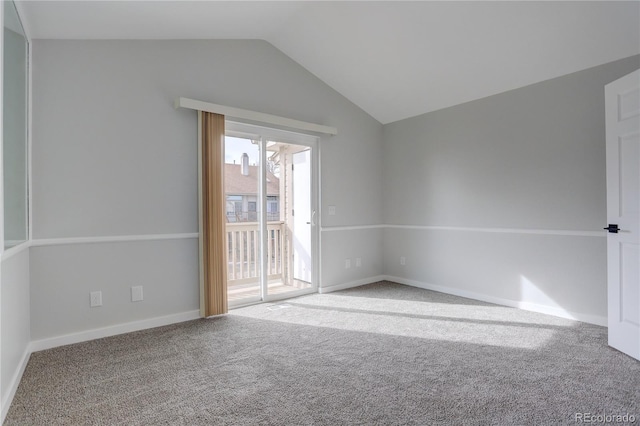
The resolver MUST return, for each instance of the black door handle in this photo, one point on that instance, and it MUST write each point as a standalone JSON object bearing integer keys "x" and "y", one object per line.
{"x": 612, "y": 228}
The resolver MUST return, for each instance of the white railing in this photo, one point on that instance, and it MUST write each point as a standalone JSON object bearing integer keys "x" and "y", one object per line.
{"x": 243, "y": 256}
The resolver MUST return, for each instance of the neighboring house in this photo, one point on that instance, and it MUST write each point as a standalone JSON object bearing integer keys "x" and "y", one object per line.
{"x": 241, "y": 190}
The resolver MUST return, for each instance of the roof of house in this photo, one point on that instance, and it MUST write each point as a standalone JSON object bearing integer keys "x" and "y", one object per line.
{"x": 238, "y": 184}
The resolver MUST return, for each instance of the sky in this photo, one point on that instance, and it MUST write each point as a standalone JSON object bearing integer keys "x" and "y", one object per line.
{"x": 234, "y": 147}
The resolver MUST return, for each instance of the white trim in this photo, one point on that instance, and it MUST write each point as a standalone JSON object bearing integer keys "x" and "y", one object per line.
{"x": 15, "y": 382}
{"x": 99, "y": 333}
{"x": 29, "y": 138}
{"x": 114, "y": 239}
{"x": 260, "y": 117}
{"x": 527, "y": 306}
{"x": 318, "y": 201}
{"x": 10, "y": 252}
{"x": 558, "y": 232}
{"x": 254, "y": 132}
{"x": 3, "y": 405}
{"x": 262, "y": 224}
{"x": 157, "y": 237}
{"x": 2, "y": 13}
{"x": 316, "y": 213}
{"x": 12, "y": 243}
{"x": 351, "y": 228}
{"x": 357, "y": 283}
{"x": 526, "y": 231}
{"x": 200, "y": 222}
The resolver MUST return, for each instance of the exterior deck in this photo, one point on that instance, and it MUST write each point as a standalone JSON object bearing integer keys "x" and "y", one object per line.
{"x": 243, "y": 274}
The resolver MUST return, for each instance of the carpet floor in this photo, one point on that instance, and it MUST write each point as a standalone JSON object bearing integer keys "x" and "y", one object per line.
{"x": 381, "y": 354}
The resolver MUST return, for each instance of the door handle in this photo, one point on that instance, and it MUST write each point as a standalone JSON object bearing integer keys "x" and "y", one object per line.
{"x": 612, "y": 228}
{"x": 313, "y": 218}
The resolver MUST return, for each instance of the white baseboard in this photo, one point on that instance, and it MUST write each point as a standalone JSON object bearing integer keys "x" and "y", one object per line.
{"x": 98, "y": 333}
{"x": 351, "y": 284}
{"x": 15, "y": 381}
{"x": 559, "y": 312}
{"x": 527, "y": 306}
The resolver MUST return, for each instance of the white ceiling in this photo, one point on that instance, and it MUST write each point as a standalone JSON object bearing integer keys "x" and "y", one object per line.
{"x": 393, "y": 59}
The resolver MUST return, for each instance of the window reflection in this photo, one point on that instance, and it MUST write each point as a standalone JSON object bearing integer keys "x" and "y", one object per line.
{"x": 14, "y": 128}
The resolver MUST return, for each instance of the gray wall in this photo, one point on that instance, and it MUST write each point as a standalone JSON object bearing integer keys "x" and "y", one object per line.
{"x": 532, "y": 159}
{"x": 167, "y": 270}
{"x": 111, "y": 156}
{"x": 14, "y": 317}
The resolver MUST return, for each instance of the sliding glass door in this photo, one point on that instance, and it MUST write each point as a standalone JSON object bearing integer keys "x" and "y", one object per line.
{"x": 271, "y": 202}
{"x": 242, "y": 212}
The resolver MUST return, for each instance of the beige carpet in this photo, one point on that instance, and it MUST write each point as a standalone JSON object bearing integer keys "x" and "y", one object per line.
{"x": 374, "y": 355}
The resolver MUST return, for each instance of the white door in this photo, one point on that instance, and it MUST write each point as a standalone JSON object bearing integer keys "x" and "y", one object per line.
{"x": 302, "y": 216}
{"x": 622, "y": 99}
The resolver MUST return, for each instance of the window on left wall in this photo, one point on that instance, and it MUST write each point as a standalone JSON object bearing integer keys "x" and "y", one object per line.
{"x": 14, "y": 133}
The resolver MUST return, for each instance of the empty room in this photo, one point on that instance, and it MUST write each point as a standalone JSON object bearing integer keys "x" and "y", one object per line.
{"x": 320, "y": 213}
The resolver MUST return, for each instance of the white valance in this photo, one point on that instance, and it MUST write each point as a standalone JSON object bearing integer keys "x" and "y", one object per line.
{"x": 260, "y": 117}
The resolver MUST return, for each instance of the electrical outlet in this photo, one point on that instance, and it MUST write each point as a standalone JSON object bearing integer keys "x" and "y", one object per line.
{"x": 403, "y": 260}
{"x": 96, "y": 299}
{"x": 136, "y": 293}
{"x": 347, "y": 264}
{"x": 358, "y": 262}
{"x": 332, "y": 210}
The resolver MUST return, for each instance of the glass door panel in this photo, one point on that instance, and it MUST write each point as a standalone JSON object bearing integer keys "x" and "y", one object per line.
{"x": 242, "y": 192}
{"x": 290, "y": 254}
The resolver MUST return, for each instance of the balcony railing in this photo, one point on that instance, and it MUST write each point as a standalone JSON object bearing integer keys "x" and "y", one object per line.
{"x": 243, "y": 255}
{"x": 236, "y": 217}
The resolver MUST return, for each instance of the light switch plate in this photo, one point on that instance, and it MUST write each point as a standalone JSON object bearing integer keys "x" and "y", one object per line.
{"x": 136, "y": 293}
{"x": 96, "y": 299}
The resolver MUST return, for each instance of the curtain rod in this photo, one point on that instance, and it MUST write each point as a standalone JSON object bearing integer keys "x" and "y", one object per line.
{"x": 253, "y": 116}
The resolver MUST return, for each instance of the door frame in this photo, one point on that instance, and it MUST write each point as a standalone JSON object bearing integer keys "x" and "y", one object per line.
{"x": 263, "y": 135}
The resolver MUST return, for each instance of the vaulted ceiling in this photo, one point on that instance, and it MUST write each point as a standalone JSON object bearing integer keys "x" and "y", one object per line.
{"x": 393, "y": 59}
